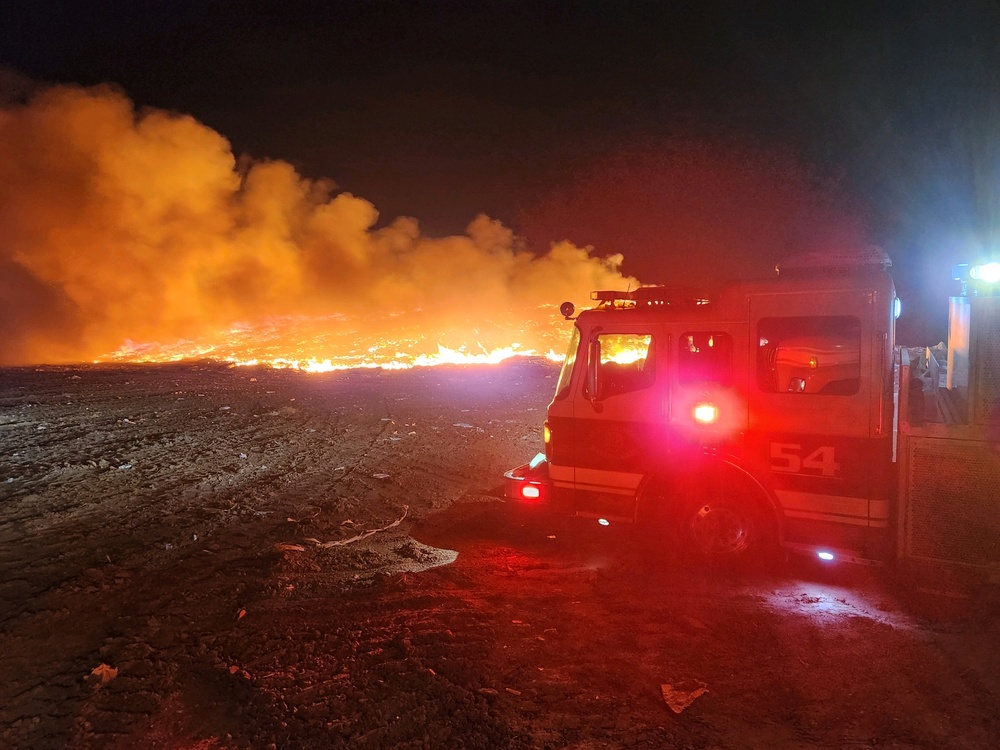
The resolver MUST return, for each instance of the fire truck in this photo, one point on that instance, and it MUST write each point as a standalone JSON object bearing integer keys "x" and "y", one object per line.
{"x": 781, "y": 413}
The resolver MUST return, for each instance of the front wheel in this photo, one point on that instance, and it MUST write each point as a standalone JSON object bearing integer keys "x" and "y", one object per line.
{"x": 719, "y": 528}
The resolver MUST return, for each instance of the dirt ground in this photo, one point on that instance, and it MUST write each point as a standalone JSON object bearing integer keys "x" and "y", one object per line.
{"x": 187, "y": 561}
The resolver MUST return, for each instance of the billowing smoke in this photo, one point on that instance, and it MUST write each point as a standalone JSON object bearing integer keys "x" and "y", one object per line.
{"x": 122, "y": 226}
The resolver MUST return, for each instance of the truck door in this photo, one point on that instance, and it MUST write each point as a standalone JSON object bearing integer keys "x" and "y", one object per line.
{"x": 619, "y": 412}
{"x": 704, "y": 373}
{"x": 816, "y": 428}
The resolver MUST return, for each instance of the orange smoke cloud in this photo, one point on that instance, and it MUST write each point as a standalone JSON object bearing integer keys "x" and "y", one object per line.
{"x": 118, "y": 225}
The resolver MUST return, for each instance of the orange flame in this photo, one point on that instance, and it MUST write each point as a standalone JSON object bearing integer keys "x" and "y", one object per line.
{"x": 133, "y": 236}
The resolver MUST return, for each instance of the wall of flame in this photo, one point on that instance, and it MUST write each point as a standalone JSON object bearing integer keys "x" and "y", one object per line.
{"x": 136, "y": 234}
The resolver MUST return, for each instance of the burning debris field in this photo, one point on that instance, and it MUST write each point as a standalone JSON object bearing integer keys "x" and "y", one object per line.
{"x": 207, "y": 556}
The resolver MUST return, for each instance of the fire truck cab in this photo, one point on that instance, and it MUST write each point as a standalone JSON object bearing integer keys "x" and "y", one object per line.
{"x": 781, "y": 411}
{"x": 763, "y": 413}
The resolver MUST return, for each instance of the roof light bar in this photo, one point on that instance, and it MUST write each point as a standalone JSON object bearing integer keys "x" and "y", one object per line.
{"x": 609, "y": 295}
{"x": 650, "y": 296}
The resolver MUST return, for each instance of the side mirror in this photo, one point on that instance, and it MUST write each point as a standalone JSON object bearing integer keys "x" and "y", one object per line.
{"x": 566, "y": 309}
{"x": 797, "y": 385}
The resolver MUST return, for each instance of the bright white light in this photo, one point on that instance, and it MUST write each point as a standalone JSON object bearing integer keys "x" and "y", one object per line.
{"x": 604, "y": 521}
{"x": 825, "y": 555}
{"x": 539, "y": 458}
{"x": 988, "y": 272}
{"x": 705, "y": 413}
{"x": 530, "y": 491}
{"x": 897, "y": 308}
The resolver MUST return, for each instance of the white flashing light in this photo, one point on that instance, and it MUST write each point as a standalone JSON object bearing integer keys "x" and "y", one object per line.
{"x": 897, "y": 308}
{"x": 604, "y": 521}
{"x": 988, "y": 272}
{"x": 530, "y": 492}
{"x": 827, "y": 556}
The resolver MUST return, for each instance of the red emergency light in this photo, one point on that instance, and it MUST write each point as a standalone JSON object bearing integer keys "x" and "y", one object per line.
{"x": 706, "y": 413}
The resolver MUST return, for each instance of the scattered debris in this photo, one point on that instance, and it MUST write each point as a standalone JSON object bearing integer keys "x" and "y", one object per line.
{"x": 102, "y": 674}
{"x": 512, "y": 691}
{"x": 380, "y": 476}
{"x": 462, "y": 424}
{"x": 680, "y": 695}
{"x": 241, "y": 614}
{"x": 362, "y": 535}
{"x": 286, "y": 547}
{"x": 488, "y": 691}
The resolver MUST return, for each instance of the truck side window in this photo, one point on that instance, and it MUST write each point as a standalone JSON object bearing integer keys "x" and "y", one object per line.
{"x": 811, "y": 354}
{"x": 705, "y": 357}
{"x": 626, "y": 363}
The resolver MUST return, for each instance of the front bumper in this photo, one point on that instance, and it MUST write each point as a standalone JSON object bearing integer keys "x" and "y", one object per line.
{"x": 529, "y": 484}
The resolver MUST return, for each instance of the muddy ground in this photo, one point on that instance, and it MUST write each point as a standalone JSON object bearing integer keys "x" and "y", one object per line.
{"x": 186, "y": 562}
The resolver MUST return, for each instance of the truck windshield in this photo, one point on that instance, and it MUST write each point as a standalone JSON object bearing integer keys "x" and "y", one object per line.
{"x": 566, "y": 374}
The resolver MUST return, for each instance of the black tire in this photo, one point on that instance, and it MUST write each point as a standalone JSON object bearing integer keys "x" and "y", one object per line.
{"x": 710, "y": 513}
{"x": 719, "y": 527}
{"x": 718, "y": 516}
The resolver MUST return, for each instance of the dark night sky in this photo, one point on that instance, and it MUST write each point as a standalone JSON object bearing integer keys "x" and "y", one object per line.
{"x": 444, "y": 110}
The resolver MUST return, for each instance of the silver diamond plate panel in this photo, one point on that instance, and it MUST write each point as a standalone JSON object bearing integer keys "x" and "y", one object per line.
{"x": 986, "y": 408}
{"x": 953, "y": 507}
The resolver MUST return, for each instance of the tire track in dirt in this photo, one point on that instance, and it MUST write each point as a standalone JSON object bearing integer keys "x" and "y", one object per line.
{"x": 108, "y": 554}
{"x": 533, "y": 637}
